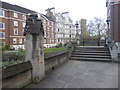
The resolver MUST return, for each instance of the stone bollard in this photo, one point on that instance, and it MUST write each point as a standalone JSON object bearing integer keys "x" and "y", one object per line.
{"x": 118, "y": 57}
{"x": 34, "y": 46}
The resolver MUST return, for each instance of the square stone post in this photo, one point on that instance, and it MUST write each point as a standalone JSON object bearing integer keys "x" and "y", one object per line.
{"x": 34, "y": 47}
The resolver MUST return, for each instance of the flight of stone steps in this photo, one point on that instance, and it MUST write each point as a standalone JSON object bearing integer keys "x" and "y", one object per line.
{"x": 90, "y": 53}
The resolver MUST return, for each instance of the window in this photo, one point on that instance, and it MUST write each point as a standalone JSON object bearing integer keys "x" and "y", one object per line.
{"x": 52, "y": 34}
{"x": 44, "y": 40}
{"x": 15, "y": 23}
{"x": 15, "y": 15}
{"x": 2, "y": 25}
{"x": 20, "y": 40}
{"x": 44, "y": 21}
{"x": 15, "y": 31}
{"x": 2, "y": 35}
{"x": 24, "y": 17}
{"x": 2, "y": 12}
{"x": 24, "y": 24}
{"x": 44, "y": 34}
{"x": 14, "y": 40}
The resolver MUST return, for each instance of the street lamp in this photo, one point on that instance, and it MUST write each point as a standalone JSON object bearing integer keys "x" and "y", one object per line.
{"x": 108, "y": 32}
{"x": 77, "y": 33}
{"x": 108, "y": 21}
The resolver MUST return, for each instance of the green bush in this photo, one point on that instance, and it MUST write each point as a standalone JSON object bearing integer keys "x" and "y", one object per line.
{"x": 6, "y": 48}
{"x": 12, "y": 56}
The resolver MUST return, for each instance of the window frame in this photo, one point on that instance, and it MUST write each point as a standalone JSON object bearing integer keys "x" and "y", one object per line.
{"x": 3, "y": 28}
{"x": 20, "y": 40}
{"x": 15, "y": 40}
{"x": 15, "y": 22}
{"x": 15, "y": 14}
{"x": 3, "y": 13}
{"x": 3, "y": 35}
{"x": 14, "y": 31}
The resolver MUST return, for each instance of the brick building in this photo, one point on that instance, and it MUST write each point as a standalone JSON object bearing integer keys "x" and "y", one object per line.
{"x": 113, "y": 19}
{"x": 12, "y": 23}
{"x": 113, "y": 24}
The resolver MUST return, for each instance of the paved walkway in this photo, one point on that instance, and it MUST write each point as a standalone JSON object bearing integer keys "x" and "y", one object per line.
{"x": 81, "y": 74}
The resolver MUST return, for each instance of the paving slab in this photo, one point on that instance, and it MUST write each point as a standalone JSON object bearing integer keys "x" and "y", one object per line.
{"x": 81, "y": 74}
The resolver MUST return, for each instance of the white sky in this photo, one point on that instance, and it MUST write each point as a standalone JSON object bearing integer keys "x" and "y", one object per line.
{"x": 78, "y": 9}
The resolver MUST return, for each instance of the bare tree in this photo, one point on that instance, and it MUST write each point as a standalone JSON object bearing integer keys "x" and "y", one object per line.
{"x": 97, "y": 27}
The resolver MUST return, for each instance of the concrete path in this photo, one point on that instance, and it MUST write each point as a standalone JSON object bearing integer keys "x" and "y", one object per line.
{"x": 81, "y": 74}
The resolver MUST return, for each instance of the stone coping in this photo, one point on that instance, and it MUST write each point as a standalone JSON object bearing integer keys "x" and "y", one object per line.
{"x": 55, "y": 53}
{"x": 15, "y": 69}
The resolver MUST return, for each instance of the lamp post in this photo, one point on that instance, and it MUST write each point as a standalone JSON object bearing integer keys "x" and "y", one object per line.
{"x": 77, "y": 34}
{"x": 108, "y": 31}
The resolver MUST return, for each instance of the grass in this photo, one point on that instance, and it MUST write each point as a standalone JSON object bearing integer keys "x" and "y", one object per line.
{"x": 52, "y": 49}
{"x": 46, "y": 50}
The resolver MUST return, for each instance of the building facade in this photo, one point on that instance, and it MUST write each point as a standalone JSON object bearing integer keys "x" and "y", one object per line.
{"x": 13, "y": 21}
{"x": 113, "y": 19}
{"x": 113, "y": 25}
{"x": 59, "y": 29}
{"x": 70, "y": 30}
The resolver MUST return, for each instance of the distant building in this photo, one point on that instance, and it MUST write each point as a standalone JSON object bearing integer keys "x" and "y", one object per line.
{"x": 60, "y": 29}
{"x": 49, "y": 23}
{"x": 12, "y": 24}
{"x": 13, "y": 21}
{"x": 70, "y": 31}
{"x": 83, "y": 26}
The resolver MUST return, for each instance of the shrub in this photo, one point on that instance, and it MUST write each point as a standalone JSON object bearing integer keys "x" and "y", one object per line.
{"x": 12, "y": 56}
{"x": 6, "y": 47}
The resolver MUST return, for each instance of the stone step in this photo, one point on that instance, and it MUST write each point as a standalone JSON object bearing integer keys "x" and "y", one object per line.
{"x": 92, "y": 48}
{"x": 100, "y": 54}
{"x": 92, "y": 51}
{"x": 84, "y": 49}
{"x": 92, "y": 56}
{"x": 88, "y": 47}
{"x": 90, "y": 59}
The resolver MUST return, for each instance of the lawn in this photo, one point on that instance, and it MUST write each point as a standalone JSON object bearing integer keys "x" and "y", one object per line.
{"x": 52, "y": 49}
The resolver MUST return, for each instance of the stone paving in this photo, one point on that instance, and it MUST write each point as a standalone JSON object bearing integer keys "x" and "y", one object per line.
{"x": 81, "y": 74}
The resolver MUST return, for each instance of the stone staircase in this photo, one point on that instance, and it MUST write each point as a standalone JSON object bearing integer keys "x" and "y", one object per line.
{"x": 90, "y": 53}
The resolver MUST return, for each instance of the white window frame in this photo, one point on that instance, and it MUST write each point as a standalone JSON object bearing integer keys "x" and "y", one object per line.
{"x": 4, "y": 35}
{"x": 15, "y": 15}
{"x": 44, "y": 34}
{"x": 24, "y": 24}
{"x": 15, "y": 23}
{"x": 20, "y": 40}
{"x": 3, "y": 13}
{"x": 14, "y": 40}
{"x": 3, "y": 28}
{"x": 24, "y": 17}
{"x": 15, "y": 31}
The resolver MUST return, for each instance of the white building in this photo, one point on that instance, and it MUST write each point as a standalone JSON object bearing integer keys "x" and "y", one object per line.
{"x": 70, "y": 31}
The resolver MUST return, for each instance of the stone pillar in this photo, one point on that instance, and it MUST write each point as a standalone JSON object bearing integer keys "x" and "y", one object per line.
{"x": 118, "y": 57}
{"x": 34, "y": 47}
{"x": 28, "y": 46}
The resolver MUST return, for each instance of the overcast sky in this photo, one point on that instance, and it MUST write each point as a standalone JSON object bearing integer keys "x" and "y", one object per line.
{"x": 78, "y": 9}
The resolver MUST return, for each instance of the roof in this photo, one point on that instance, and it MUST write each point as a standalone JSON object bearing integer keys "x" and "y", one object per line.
{"x": 50, "y": 18}
{"x": 6, "y": 5}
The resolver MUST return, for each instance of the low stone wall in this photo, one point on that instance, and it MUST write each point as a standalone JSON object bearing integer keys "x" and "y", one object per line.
{"x": 20, "y": 75}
